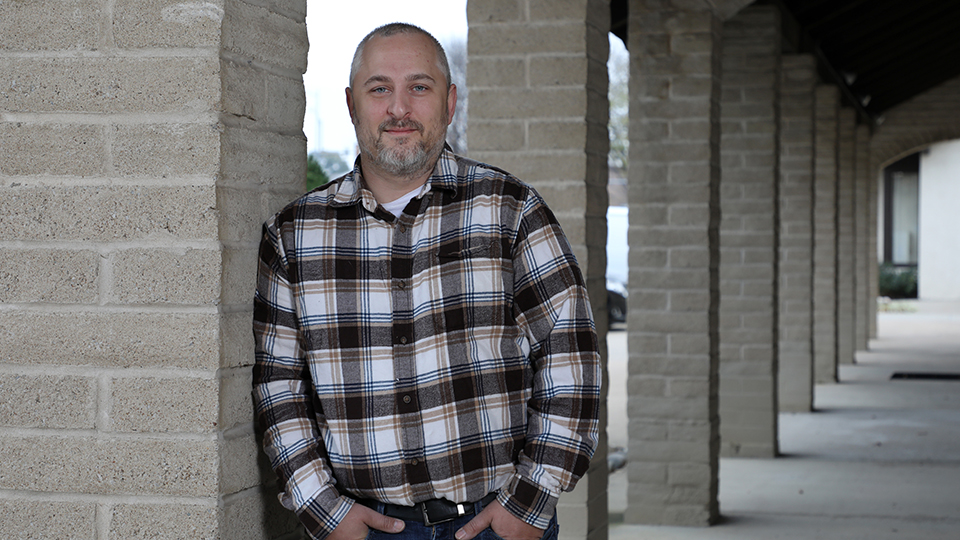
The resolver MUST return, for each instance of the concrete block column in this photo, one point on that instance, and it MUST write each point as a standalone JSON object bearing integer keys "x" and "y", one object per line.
{"x": 538, "y": 108}
{"x": 142, "y": 145}
{"x": 798, "y": 80}
{"x": 862, "y": 204}
{"x": 749, "y": 240}
{"x": 674, "y": 182}
{"x": 825, "y": 235}
{"x": 846, "y": 236}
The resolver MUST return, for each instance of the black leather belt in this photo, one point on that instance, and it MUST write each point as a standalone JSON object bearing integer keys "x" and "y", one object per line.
{"x": 428, "y": 512}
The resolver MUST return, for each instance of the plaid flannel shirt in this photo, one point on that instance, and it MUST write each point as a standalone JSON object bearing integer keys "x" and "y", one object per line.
{"x": 448, "y": 352}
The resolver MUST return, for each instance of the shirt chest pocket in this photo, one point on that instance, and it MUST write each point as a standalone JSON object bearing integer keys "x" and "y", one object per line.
{"x": 474, "y": 284}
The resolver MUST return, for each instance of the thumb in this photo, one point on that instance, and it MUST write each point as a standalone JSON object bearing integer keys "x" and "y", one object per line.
{"x": 380, "y": 522}
{"x": 474, "y": 526}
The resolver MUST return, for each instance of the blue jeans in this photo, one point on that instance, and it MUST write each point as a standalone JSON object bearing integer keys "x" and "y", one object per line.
{"x": 444, "y": 531}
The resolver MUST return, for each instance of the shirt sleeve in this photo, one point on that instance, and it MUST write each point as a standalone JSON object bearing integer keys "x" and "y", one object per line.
{"x": 284, "y": 400}
{"x": 551, "y": 305}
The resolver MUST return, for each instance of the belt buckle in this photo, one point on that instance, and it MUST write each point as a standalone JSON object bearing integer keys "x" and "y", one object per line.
{"x": 461, "y": 511}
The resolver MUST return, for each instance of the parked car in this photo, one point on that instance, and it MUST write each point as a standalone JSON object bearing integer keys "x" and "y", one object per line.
{"x": 617, "y": 266}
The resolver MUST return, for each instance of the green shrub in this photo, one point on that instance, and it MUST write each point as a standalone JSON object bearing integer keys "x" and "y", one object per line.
{"x": 315, "y": 175}
{"x": 898, "y": 282}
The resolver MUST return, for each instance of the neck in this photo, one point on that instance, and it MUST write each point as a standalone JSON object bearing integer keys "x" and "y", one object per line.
{"x": 386, "y": 186}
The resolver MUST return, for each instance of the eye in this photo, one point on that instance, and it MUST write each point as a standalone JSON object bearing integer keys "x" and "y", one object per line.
{"x": 379, "y": 90}
{"x": 420, "y": 88}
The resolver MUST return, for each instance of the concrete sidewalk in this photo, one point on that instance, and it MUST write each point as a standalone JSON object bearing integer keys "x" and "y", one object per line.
{"x": 879, "y": 459}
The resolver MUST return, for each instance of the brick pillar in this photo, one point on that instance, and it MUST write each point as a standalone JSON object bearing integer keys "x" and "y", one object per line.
{"x": 142, "y": 144}
{"x": 538, "y": 108}
{"x": 825, "y": 236}
{"x": 749, "y": 240}
{"x": 873, "y": 270}
{"x": 674, "y": 182}
{"x": 799, "y": 78}
{"x": 846, "y": 236}
{"x": 862, "y": 243}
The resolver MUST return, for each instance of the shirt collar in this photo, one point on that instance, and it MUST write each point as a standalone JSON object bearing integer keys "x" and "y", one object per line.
{"x": 444, "y": 176}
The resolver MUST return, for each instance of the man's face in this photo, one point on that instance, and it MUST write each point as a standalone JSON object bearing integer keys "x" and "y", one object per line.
{"x": 400, "y": 104}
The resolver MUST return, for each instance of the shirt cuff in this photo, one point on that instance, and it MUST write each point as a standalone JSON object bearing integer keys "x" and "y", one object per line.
{"x": 528, "y": 501}
{"x": 321, "y": 515}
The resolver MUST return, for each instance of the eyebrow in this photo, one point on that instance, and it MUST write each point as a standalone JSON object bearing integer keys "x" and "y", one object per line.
{"x": 410, "y": 78}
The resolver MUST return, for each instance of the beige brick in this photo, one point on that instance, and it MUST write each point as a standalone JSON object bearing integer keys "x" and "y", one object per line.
{"x": 30, "y": 520}
{"x": 558, "y": 71}
{"x": 239, "y": 470}
{"x": 255, "y": 32}
{"x": 507, "y": 39}
{"x": 188, "y": 405}
{"x": 164, "y": 522}
{"x": 106, "y": 214}
{"x": 258, "y": 158}
{"x": 238, "y": 348}
{"x": 236, "y": 404}
{"x": 159, "y": 276}
{"x": 48, "y": 402}
{"x": 247, "y": 515}
{"x": 242, "y": 215}
{"x": 104, "y": 466}
{"x": 166, "y": 23}
{"x": 183, "y": 340}
{"x": 553, "y": 134}
{"x": 152, "y": 150}
{"x": 494, "y": 11}
{"x": 496, "y": 71}
{"x": 520, "y": 103}
{"x": 49, "y": 275}
{"x": 51, "y": 149}
{"x": 110, "y": 85}
{"x": 500, "y": 135}
{"x": 239, "y": 276}
{"x": 41, "y": 25}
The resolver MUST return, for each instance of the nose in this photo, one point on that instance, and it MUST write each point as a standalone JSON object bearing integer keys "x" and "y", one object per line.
{"x": 399, "y": 106}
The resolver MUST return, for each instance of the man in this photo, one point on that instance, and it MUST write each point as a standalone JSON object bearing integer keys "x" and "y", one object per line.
{"x": 426, "y": 356}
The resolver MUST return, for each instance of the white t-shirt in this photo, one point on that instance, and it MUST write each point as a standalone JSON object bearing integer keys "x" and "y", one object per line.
{"x": 396, "y": 207}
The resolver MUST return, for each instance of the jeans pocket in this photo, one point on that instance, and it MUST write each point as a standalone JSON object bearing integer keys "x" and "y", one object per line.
{"x": 550, "y": 533}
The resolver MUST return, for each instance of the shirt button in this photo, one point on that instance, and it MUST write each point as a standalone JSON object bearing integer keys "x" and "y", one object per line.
{"x": 406, "y": 399}
{"x": 403, "y": 340}
{"x": 400, "y": 285}
{"x": 414, "y": 462}
{"x": 403, "y": 228}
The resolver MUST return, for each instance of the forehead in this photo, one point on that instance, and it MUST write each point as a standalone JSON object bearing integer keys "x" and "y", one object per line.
{"x": 398, "y": 55}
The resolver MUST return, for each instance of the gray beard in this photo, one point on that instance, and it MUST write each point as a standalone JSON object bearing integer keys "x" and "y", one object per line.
{"x": 401, "y": 161}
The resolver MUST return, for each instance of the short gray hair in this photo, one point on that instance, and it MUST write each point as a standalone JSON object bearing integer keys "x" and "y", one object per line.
{"x": 393, "y": 29}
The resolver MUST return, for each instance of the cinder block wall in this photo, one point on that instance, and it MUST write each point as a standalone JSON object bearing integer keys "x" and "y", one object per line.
{"x": 538, "y": 108}
{"x": 749, "y": 232}
{"x": 846, "y": 235}
{"x": 825, "y": 235}
{"x": 865, "y": 200}
{"x": 795, "y": 369}
{"x": 674, "y": 183}
{"x": 141, "y": 145}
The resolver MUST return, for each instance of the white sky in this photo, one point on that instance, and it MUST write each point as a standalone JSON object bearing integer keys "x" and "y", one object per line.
{"x": 335, "y": 28}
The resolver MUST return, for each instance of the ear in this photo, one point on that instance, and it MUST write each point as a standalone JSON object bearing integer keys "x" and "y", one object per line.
{"x": 451, "y": 102}
{"x": 350, "y": 104}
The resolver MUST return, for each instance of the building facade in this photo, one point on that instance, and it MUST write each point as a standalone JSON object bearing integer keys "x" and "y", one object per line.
{"x": 142, "y": 144}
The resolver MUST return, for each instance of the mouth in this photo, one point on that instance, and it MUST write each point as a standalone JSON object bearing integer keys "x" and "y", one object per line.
{"x": 400, "y": 129}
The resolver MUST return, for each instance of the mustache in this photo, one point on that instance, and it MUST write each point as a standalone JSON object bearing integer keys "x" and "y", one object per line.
{"x": 401, "y": 124}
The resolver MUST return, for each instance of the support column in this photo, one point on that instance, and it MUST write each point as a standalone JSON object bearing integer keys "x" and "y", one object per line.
{"x": 846, "y": 236}
{"x": 862, "y": 243}
{"x": 674, "y": 181}
{"x": 142, "y": 146}
{"x": 538, "y": 108}
{"x": 798, "y": 80}
{"x": 825, "y": 236}
{"x": 749, "y": 239}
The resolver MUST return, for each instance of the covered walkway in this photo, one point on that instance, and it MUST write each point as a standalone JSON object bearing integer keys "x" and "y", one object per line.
{"x": 879, "y": 459}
